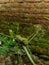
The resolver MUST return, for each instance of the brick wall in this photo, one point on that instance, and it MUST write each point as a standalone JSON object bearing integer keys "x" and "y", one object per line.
{"x": 24, "y": 10}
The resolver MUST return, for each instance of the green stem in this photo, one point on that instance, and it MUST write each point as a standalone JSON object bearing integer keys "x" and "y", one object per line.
{"x": 33, "y": 37}
{"x": 30, "y": 58}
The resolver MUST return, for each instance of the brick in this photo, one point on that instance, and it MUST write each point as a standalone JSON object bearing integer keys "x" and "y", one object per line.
{"x": 24, "y": 9}
{"x": 18, "y": 0}
{"x": 4, "y": 1}
{"x": 33, "y": 0}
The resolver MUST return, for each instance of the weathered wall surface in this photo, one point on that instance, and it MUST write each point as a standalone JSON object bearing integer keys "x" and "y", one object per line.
{"x": 24, "y": 10}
